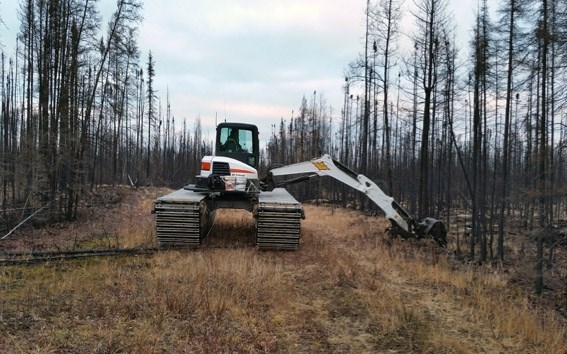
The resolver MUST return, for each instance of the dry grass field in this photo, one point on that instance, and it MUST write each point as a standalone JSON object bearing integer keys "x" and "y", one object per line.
{"x": 348, "y": 289}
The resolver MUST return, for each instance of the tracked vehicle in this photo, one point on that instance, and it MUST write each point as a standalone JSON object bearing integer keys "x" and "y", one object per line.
{"x": 229, "y": 179}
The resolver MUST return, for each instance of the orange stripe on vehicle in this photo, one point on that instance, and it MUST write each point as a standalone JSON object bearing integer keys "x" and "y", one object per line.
{"x": 236, "y": 170}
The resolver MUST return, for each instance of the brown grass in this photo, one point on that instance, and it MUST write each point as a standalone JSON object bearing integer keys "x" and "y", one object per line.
{"x": 347, "y": 289}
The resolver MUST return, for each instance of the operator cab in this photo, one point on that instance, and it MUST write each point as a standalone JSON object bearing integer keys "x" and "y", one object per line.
{"x": 238, "y": 141}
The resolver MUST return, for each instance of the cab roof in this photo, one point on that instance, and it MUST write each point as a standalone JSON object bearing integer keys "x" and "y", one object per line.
{"x": 238, "y": 126}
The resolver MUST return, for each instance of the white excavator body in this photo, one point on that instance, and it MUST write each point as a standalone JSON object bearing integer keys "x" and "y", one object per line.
{"x": 235, "y": 175}
{"x": 229, "y": 180}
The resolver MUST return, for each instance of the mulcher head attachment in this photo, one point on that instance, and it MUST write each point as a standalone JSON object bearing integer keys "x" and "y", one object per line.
{"x": 428, "y": 228}
{"x": 432, "y": 228}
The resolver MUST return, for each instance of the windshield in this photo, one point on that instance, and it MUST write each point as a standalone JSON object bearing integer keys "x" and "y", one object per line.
{"x": 236, "y": 140}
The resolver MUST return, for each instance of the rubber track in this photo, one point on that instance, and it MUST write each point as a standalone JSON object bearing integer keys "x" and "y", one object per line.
{"x": 278, "y": 227}
{"x": 182, "y": 224}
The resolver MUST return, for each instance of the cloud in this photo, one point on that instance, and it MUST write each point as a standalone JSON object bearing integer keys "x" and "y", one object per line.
{"x": 252, "y": 60}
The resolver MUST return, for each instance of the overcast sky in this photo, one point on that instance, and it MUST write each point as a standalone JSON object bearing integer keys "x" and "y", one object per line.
{"x": 248, "y": 60}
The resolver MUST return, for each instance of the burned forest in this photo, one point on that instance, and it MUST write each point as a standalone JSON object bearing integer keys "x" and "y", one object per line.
{"x": 481, "y": 139}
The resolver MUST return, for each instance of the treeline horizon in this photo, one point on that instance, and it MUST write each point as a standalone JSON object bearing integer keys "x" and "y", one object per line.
{"x": 479, "y": 130}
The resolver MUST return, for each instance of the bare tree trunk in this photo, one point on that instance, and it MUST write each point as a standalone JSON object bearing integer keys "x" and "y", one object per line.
{"x": 507, "y": 116}
{"x": 543, "y": 148}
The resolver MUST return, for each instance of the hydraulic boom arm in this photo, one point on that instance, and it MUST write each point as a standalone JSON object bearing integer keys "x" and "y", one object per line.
{"x": 402, "y": 223}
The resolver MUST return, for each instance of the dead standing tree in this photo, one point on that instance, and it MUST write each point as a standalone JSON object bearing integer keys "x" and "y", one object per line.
{"x": 431, "y": 20}
{"x": 385, "y": 30}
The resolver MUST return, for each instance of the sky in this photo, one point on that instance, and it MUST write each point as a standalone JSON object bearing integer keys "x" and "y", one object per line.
{"x": 247, "y": 60}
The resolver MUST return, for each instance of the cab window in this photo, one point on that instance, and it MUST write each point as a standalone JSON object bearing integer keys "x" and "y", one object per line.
{"x": 236, "y": 140}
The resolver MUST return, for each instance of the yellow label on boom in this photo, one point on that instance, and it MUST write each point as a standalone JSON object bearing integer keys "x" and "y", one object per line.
{"x": 321, "y": 166}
